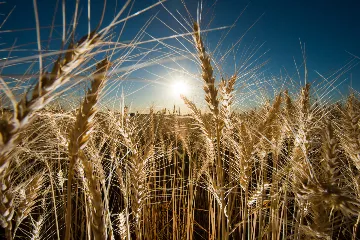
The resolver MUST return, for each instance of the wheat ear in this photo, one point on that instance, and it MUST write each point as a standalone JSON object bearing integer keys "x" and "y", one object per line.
{"x": 207, "y": 73}
{"x": 265, "y": 125}
{"x": 330, "y": 153}
{"x": 95, "y": 205}
{"x": 24, "y": 111}
{"x": 304, "y": 101}
{"x": 6, "y": 206}
{"x": 38, "y": 225}
{"x": 27, "y": 203}
{"x": 226, "y": 89}
{"x": 196, "y": 114}
{"x": 82, "y": 129}
{"x": 350, "y": 141}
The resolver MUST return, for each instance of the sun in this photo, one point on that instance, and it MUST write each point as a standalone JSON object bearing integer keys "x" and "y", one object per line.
{"x": 180, "y": 87}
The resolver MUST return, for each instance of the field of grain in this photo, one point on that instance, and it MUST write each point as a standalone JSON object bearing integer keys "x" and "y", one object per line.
{"x": 286, "y": 169}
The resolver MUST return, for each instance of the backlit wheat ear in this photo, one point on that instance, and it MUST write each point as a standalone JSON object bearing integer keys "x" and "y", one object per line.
{"x": 207, "y": 73}
{"x": 226, "y": 89}
{"x": 329, "y": 195}
{"x": 25, "y": 110}
{"x": 82, "y": 129}
{"x": 302, "y": 144}
{"x": 95, "y": 205}
{"x": 211, "y": 97}
{"x": 195, "y": 112}
{"x": 350, "y": 139}
{"x": 330, "y": 153}
{"x": 6, "y": 206}
{"x": 207, "y": 161}
{"x": 272, "y": 114}
{"x": 62, "y": 67}
{"x": 37, "y": 227}
{"x": 32, "y": 191}
{"x": 304, "y": 101}
{"x": 138, "y": 166}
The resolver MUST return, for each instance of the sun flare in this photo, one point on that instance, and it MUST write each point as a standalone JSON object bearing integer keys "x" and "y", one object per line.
{"x": 180, "y": 87}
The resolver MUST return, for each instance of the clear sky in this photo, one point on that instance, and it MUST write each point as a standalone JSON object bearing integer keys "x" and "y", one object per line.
{"x": 330, "y": 30}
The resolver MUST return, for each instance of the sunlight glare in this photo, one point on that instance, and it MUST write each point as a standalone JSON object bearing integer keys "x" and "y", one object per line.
{"x": 180, "y": 87}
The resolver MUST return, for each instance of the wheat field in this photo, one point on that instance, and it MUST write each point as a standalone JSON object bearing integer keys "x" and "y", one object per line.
{"x": 286, "y": 169}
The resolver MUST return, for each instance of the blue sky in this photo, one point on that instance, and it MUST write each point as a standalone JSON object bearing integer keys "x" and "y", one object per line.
{"x": 330, "y": 30}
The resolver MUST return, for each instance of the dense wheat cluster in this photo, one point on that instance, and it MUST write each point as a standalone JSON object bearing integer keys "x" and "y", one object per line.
{"x": 288, "y": 169}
